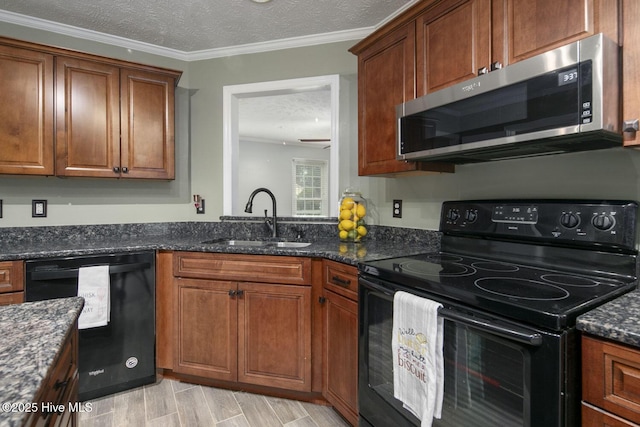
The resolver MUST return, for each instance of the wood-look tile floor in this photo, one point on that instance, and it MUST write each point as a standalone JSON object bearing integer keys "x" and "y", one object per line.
{"x": 170, "y": 403}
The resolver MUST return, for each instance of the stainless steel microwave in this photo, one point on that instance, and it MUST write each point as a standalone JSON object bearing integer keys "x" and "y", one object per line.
{"x": 563, "y": 100}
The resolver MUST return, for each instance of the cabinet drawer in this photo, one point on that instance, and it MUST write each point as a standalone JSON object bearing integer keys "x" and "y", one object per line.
{"x": 596, "y": 417}
{"x": 243, "y": 268}
{"x": 611, "y": 377}
{"x": 341, "y": 279}
{"x": 11, "y": 298}
{"x": 11, "y": 276}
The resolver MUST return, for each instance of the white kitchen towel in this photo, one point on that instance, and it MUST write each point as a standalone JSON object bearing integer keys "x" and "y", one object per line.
{"x": 94, "y": 286}
{"x": 418, "y": 363}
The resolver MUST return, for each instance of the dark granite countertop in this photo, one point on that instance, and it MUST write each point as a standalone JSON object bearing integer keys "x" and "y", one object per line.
{"x": 323, "y": 245}
{"x": 617, "y": 320}
{"x": 32, "y": 336}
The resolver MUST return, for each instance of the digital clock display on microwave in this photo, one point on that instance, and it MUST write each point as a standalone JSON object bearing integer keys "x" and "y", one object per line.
{"x": 521, "y": 214}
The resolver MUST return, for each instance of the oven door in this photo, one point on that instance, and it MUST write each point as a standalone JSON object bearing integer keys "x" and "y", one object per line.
{"x": 496, "y": 372}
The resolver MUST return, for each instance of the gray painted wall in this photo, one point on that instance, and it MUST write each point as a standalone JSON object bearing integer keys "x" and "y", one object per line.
{"x": 611, "y": 174}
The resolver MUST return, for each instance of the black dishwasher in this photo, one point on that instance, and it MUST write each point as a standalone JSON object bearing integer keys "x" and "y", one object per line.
{"x": 120, "y": 355}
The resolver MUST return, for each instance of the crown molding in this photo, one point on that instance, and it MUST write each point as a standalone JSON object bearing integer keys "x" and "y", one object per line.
{"x": 294, "y": 42}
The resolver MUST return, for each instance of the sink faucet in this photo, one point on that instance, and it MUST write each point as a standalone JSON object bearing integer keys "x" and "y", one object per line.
{"x": 270, "y": 222}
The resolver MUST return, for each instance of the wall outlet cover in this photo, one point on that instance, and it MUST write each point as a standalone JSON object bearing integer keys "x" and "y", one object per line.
{"x": 397, "y": 208}
{"x": 38, "y": 208}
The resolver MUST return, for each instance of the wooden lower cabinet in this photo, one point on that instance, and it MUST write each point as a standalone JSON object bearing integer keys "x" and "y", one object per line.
{"x": 11, "y": 282}
{"x": 59, "y": 389}
{"x": 249, "y": 332}
{"x": 340, "y": 349}
{"x": 610, "y": 383}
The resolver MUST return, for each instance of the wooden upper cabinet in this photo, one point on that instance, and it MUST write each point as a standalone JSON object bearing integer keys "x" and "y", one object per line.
{"x": 113, "y": 122}
{"x": 26, "y": 112}
{"x": 88, "y": 118}
{"x": 74, "y": 114}
{"x": 538, "y": 26}
{"x": 453, "y": 46}
{"x": 630, "y": 66}
{"x": 147, "y": 126}
{"x": 386, "y": 78}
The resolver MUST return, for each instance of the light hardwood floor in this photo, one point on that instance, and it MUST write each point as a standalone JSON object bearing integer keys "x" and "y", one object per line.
{"x": 171, "y": 403}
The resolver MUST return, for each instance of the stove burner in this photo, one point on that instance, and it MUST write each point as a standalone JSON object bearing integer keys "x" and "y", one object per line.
{"x": 495, "y": 266}
{"x": 444, "y": 269}
{"x": 441, "y": 258}
{"x": 521, "y": 288}
{"x": 566, "y": 280}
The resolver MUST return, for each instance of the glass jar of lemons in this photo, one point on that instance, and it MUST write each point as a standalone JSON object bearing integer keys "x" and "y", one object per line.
{"x": 351, "y": 218}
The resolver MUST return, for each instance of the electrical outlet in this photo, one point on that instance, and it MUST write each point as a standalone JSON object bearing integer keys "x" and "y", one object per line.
{"x": 397, "y": 208}
{"x": 38, "y": 208}
{"x": 0, "y": 208}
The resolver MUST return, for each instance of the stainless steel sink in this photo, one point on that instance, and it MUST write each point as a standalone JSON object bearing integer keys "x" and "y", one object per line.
{"x": 234, "y": 242}
{"x": 291, "y": 244}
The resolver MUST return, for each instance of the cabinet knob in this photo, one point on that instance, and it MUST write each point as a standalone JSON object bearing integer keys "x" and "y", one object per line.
{"x": 116, "y": 169}
{"x": 322, "y": 300}
{"x": 232, "y": 293}
{"x": 630, "y": 125}
{"x": 125, "y": 169}
{"x": 496, "y": 65}
{"x": 483, "y": 70}
{"x": 239, "y": 292}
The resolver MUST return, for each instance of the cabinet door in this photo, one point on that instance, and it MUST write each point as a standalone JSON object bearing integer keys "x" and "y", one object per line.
{"x": 630, "y": 67}
{"x": 206, "y": 330}
{"x": 87, "y": 118}
{"x": 147, "y": 125}
{"x": 340, "y": 385}
{"x": 541, "y": 25}
{"x": 26, "y": 112}
{"x": 274, "y": 335}
{"x": 452, "y": 47}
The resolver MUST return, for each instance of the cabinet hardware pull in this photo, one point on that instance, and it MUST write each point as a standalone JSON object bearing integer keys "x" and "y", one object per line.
{"x": 232, "y": 293}
{"x": 239, "y": 293}
{"x": 341, "y": 282}
{"x": 630, "y": 125}
{"x": 125, "y": 169}
{"x": 496, "y": 65}
{"x": 322, "y": 300}
{"x": 116, "y": 169}
{"x": 483, "y": 70}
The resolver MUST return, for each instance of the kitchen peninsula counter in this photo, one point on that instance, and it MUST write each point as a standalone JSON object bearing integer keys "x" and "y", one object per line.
{"x": 617, "y": 320}
{"x": 33, "y": 335}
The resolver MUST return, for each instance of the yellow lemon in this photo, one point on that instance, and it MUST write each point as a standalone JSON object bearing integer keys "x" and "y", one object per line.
{"x": 343, "y": 234}
{"x": 362, "y": 230}
{"x": 361, "y": 211}
{"x": 347, "y": 224}
{"x": 340, "y": 227}
{"x": 345, "y": 214}
{"x": 347, "y": 203}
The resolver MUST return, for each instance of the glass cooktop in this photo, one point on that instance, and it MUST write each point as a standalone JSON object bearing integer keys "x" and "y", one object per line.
{"x": 541, "y": 296}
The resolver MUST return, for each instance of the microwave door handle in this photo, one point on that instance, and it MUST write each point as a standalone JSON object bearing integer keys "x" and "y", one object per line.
{"x": 509, "y": 332}
{"x": 69, "y": 273}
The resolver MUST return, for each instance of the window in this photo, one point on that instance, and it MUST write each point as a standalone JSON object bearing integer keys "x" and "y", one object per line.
{"x": 310, "y": 184}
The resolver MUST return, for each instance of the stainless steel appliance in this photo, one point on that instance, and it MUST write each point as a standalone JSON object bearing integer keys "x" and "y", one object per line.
{"x": 512, "y": 277}
{"x": 120, "y": 355}
{"x": 563, "y": 100}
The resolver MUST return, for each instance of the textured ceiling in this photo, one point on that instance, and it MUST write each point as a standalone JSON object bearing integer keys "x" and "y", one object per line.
{"x": 287, "y": 118}
{"x": 196, "y": 25}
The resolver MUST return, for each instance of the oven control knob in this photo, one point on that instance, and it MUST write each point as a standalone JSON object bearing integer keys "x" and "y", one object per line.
{"x": 453, "y": 215}
{"x": 603, "y": 222}
{"x": 569, "y": 220}
{"x": 471, "y": 216}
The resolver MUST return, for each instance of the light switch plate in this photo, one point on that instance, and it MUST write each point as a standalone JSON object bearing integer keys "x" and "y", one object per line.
{"x": 38, "y": 208}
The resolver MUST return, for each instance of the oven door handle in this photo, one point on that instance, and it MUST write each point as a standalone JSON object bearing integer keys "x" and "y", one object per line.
{"x": 510, "y": 332}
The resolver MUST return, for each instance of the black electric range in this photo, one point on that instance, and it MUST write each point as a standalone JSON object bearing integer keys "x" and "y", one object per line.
{"x": 542, "y": 262}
